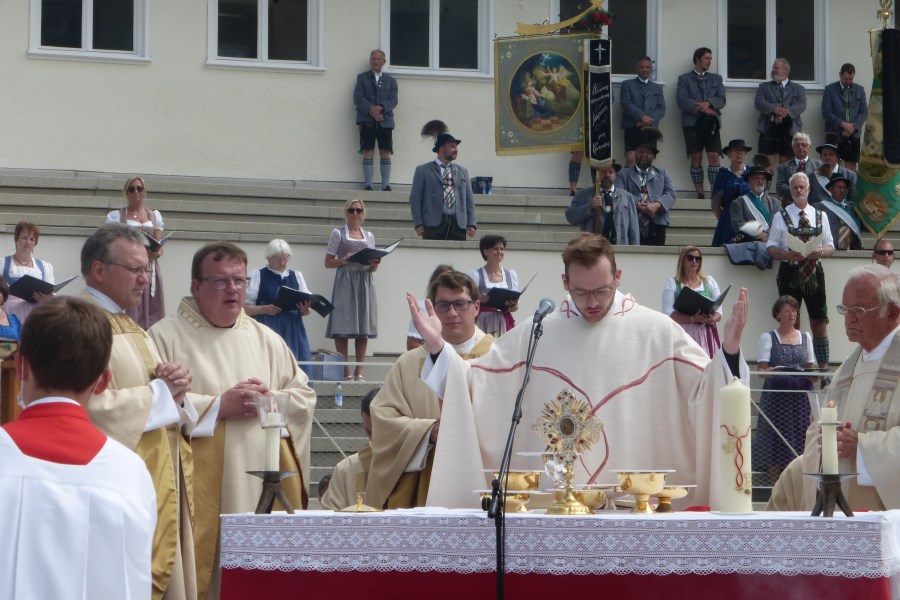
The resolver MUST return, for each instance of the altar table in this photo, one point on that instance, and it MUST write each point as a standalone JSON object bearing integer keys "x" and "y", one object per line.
{"x": 449, "y": 554}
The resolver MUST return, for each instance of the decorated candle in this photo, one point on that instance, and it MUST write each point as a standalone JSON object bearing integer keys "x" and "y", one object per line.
{"x": 735, "y": 485}
{"x": 828, "y": 414}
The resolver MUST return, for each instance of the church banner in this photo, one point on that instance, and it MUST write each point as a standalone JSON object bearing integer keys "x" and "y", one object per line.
{"x": 539, "y": 93}
{"x": 598, "y": 95}
{"x": 877, "y": 195}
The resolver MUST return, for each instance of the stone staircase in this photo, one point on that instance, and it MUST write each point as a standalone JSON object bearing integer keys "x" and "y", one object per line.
{"x": 241, "y": 210}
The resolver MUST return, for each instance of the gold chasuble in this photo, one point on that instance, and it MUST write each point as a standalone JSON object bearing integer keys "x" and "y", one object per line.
{"x": 866, "y": 395}
{"x": 122, "y": 413}
{"x": 218, "y": 359}
{"x": 403, "y": 413}
{"x": 348, "y": 480}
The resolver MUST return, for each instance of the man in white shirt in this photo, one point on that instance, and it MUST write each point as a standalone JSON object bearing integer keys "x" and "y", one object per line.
{"x": 799, "y": 275}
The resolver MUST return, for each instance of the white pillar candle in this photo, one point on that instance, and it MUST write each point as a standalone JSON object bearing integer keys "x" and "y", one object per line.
{"x": 828, "y": 414}
{"x": 735, "y": 480}
{"x": 273, "y": 442}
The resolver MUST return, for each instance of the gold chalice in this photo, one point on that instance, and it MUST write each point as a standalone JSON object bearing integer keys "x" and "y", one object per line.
{"x": 669, "y": 493}
{"x": 515, "y": 501}
{"x": 521, "y": 481}
{"x": 642, "y": 485}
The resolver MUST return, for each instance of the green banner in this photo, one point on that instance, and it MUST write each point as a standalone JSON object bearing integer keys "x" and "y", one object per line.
{"x": 877, "y": 195}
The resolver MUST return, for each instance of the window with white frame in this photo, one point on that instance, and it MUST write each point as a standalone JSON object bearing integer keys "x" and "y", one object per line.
{"x": 438, "y": 36}
{"x": 633, "y": 33}
{"x": 93, "y": 29}
{"x": 759, "y": 31}
{"x": 265, "y": 33}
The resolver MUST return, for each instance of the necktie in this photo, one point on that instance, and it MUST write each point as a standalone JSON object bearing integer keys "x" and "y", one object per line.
{"x": 807, "y": 266}
{"x": 449, "y": 191}
{"x": 847, "y": 104}
{"x": 801, "y": 166}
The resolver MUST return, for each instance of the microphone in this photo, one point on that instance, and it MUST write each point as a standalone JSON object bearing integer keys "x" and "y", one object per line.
{"x": 546, "y": 307}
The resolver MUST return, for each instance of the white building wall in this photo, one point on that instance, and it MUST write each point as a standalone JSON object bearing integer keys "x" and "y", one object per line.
{"x": 179, "y": 116}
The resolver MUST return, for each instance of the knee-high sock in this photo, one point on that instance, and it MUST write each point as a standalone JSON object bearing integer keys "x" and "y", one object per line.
{"x": 697, "y": 175}
{"x": 820, "y": 347}
{"x": 385, "y": 172}
{"x": 574, "y": 171}
{"x": 368, "y": 171}
{"x": 711, "y": 173}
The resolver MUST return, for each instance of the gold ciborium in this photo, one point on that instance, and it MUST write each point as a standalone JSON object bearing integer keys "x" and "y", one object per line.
{"x": 669, "y": 493}
{"x": 521, "y": 481}
{"x": 568, "y": 427}
{"x": 642, "y": 485}
{"x": 593, "y": 499}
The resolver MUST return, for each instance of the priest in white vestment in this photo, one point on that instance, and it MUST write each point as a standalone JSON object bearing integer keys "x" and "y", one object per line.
{"x": 653, "y": 387}
{"x": 232, "y": 359}
{"x": 406, "y": 415}
{"x": 145, "y": 406}
{"x": 79, "y": 508}
{"x": 863, "y": 390}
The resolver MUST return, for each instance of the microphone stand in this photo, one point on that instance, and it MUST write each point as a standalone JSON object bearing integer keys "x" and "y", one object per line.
{"x": 497, "y": 506}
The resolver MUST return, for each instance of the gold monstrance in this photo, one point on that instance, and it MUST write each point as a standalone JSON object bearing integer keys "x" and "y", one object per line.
{"x": 568, "y": 427}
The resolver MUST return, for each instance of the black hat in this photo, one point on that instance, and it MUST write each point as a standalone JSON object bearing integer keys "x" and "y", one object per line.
{"x": 438, "y": 130}
{"x": 753, "y": 170}
{"x": 831, "y": 141}
{"x": 835, "y": 178}
{"x": 736, "y": 143}
{"x": 613, "y": 164}
{"x": 444, "y": 138}
{"x": 649, "y": 138}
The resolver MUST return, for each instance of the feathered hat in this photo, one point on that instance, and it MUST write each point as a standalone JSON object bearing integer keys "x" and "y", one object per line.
{"x": 650, "y": 136}
{"x": 438, "y": 130}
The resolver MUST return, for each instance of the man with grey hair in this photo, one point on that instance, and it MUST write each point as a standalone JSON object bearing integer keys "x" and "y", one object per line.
{"x": 801, "y": 163}
{"x": 800, "y": 275}
{"x": 780, "y": 103}
{"x": 145, "y": 407}
{"x": 863, "y": 388}
{"x": 375, "y": 96}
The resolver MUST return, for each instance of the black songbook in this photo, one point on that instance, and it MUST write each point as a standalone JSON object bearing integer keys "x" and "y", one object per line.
{"x": 288, "y": 298}
{"x": 689, "y": 302}
{"x": 155, "y": 244}
{"x": 366, "y": 254}
{"x": 26, "y": 287}
{"x": 498, "y": 297}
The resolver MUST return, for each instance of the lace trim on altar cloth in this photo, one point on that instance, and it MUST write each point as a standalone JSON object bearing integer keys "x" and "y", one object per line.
{"x": 867, "y": 545}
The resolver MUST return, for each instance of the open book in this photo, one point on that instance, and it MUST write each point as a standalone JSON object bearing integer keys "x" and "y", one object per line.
{"x": 498, "y": 297}
{"x": 366, "y": 254}
{"x": 288, "y": 298}
{"x": 797, "y": 245}
{"x": 155, "y": 244}
{"x": 689, "y": 302}
{"x": 27, "y": 285}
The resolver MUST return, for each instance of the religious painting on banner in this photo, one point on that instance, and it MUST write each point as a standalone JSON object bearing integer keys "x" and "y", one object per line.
{"x": 539, "y": 93}
{"x": 598, "y": 95}
{"x": 877, "y": 196}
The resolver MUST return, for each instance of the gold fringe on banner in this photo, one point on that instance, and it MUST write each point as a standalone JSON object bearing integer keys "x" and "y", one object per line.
{"x": 529, "y": 29}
